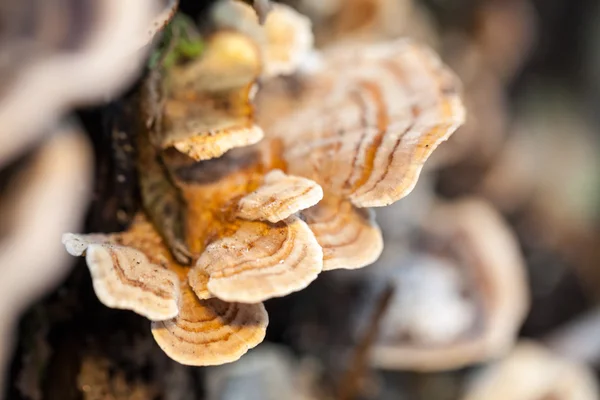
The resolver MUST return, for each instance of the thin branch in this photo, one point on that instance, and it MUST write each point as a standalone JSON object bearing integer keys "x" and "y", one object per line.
{"x": 349, "y": 387}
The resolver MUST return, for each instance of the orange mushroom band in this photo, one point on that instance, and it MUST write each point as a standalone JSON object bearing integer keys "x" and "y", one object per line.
{"x": 263, "y": 220}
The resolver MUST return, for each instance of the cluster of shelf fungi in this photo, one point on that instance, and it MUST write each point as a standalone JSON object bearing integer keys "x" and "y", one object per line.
{"x": 249, "y": 159}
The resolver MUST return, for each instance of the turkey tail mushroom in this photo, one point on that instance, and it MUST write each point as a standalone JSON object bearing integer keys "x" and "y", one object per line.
{"x": 386, "y": 109}
{"x": 210, "y": 332}
{"x": 285, "y": 39}
{"x": 532, "y": 372}
{"x": 262, "y": 220}
{"x": 461, "y": 304}
{"x": 279, "y": 197}
{"x": 261, "y": 261}
{"x": 349, "y": 236}
{"x": 207, "y": 102}
{"x": 125, "y": 278}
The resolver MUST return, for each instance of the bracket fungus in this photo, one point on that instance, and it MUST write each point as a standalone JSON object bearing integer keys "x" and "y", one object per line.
{"x": 207, "y": 109}
{"x": 279, "y": 197}
{"x": 532, "y": 372}
{"x": 285, "y": 38}
{"x": 210, "y": 332}
{"x": 260, "y": 261}
{"x": 460, "y": 302}
{"x": 125, "y": 278}
{"x": 262, "y": 220}
{"x": 349, "y": 235}
{"x": 132, "y": 270}
{"x": 383, "y": 111}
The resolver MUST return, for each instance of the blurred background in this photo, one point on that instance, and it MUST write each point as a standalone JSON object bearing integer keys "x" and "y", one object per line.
{"x": 527, "y": 156}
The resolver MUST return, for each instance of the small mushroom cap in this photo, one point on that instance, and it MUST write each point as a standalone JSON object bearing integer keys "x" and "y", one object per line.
{"x": 279, "y": 197}
{"x": 389, "y": 106}
{"x": 210, "y": 332}
{"x": 290, "y": 40}
{"x": 125, "y": 278}
{"x": 349, "y": 236}
{"x": 285, "y": 38}
{"x": 208, "y": 108}
{"x": 205, "y": 147}
{"x": 260, "y": 261}
{"x": 532, "y": 372}
{"x": 485, "y": 249}
{"x": 229, "y": 61}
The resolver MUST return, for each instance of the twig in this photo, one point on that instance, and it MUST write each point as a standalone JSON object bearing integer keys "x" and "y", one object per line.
{"x": 350, "y": 382}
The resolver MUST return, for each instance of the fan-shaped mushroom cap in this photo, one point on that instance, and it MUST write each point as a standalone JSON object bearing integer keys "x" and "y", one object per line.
{"x": 124, "y": 277}
{"x": 210, "y": 332}
{"x": 204, "y": 147}
{"x": 285, "y": 38}
{"x": 243, "y": 261}
{"x": 387, "y": 107}
{"x": 208, "y": 108}
{"x": 532, "y": 372}
{"x": 289, "y": 40}
{"x": 279, "y": 197}
{"x": 260, "y": 261}
{"x": 132, "y": 269}
{"x": 349, "y": 236}
{"x": 472, "y": 237}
